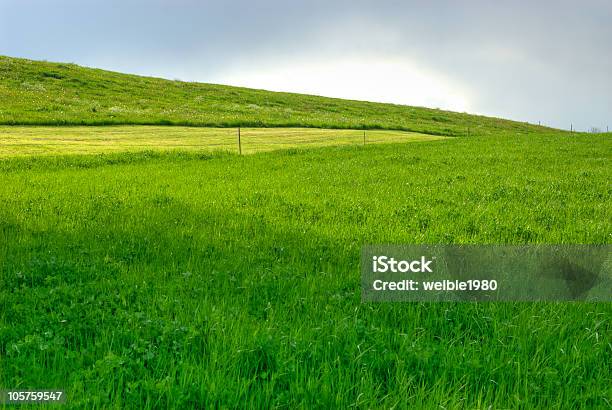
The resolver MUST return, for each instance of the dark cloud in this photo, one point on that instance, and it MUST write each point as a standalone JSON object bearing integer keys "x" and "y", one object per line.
{"x": 543, "y": 61}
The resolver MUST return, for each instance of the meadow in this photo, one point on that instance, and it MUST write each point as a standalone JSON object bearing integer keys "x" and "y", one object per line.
{"x": 181, "y": 279}
{"x": 144, "y": 264}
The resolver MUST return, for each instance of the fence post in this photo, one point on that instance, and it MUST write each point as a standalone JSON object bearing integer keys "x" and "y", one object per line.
{"x": 239, "y": 143}
{"x": 364, "y": 140}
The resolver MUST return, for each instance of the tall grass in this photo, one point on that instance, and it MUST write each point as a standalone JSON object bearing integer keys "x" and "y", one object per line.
{"x": 156, "y": 280}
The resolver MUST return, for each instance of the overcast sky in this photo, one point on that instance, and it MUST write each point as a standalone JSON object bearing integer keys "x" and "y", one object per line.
{"x": 548, "y": 61}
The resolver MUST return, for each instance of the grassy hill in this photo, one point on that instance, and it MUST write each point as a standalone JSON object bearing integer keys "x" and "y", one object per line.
{"x": 42, "y": 93}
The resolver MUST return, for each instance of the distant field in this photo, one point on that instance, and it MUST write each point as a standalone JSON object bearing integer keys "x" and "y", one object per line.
{"x": 29, "y": 141}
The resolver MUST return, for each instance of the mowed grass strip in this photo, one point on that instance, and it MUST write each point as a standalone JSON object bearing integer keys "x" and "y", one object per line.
{"x": 34, "y": 141}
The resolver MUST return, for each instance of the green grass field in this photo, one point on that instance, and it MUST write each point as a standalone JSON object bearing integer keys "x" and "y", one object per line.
{"x": 167, "y": 276}
{"x": 34, "y": 141}
{"x": 156, "y": 280}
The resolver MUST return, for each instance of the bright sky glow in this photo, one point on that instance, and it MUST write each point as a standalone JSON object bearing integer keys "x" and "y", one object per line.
{"x": 370, "y": 79}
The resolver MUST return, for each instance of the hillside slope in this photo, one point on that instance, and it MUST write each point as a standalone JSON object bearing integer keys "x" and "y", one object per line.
{"x": 37, "y": 93}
